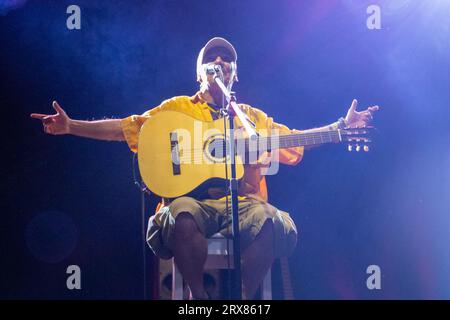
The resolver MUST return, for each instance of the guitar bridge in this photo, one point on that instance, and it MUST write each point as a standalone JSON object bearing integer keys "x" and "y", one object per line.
{"x": 175, "y": 154}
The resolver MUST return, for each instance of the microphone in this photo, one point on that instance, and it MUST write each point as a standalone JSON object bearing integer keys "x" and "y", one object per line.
{"x": 213, "y": 69}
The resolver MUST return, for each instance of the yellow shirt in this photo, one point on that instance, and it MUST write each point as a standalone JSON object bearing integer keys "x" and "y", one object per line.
{"x": 253, "y": 183}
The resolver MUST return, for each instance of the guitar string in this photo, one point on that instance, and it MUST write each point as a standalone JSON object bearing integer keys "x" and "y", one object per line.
{"x": 287, "y": 141}
{"x": 199, "y": 153}
{"x": 291, "y": 139}
{"x": 267, "y": 143}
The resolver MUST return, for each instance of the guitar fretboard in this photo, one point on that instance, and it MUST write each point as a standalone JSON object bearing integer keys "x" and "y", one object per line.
{"x": 294, "y": 140}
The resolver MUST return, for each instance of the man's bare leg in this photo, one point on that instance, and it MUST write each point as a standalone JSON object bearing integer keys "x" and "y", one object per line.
{"x": 256, "y": 260}
{"x": 190, "y": 253}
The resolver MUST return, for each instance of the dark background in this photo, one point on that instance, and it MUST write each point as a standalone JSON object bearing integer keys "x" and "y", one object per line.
{"x": 68, "y": 200}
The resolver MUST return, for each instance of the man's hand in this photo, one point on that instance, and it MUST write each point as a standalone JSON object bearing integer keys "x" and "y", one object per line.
{"x": 56, "y": 123}
{"x": 355, "y": 119}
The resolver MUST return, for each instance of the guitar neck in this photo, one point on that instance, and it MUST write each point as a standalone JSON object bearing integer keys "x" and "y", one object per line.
{"x": 297, "y": 140}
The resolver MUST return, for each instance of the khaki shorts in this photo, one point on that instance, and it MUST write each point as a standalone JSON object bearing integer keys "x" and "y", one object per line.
{"x": 211, "y": 217}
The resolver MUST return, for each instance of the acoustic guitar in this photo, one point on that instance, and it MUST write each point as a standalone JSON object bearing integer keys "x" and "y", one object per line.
{"x": 179, "y": 155}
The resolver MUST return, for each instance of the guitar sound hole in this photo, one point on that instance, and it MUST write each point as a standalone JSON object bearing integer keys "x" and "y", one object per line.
{"x": 216, "y": 149}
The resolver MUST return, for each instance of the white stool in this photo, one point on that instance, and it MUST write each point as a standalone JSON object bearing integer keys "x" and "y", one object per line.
{"x": 217, "y": 258}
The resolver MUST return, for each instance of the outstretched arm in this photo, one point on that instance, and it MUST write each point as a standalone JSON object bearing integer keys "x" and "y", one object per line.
{"x": 353, "y": 119}
{"x": 60, "y": 123}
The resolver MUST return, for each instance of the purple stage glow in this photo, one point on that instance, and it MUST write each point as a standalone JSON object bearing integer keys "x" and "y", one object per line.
{"x": 9, "y": 5}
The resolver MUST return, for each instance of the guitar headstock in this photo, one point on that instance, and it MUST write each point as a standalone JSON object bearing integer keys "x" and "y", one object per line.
{"x": 357, "y": 138}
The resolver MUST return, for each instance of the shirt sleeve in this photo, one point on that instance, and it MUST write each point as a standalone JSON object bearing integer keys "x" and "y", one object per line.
{"x": 131, "y": 126}
{"x": 290, "y": 156}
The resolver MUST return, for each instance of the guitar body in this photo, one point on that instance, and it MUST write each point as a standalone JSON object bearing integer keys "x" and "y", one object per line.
{"x": 179, "y": 155}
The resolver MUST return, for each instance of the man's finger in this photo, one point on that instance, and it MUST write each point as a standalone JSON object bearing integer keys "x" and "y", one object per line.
{"x": 353, "y": 106}
{"x": 374, "y": 108}
{"x": 38, "y": 115}
{"x": 48, "y": 120}
{"x": 57, "y": 107}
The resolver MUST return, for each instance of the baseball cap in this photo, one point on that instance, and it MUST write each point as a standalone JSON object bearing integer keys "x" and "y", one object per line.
{"x": 219, "y": 42}
{"x": 214, "y": 43}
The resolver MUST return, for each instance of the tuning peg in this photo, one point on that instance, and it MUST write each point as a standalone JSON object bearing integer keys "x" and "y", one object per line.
{"x": 366, "y": 148}
{"x": 349, "y": 148}
{"x": 358, "y": 148}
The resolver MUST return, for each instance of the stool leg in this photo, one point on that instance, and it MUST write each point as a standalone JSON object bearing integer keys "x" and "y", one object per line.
{"x": 177, "y": 283}
{"x": 266, "y": 287}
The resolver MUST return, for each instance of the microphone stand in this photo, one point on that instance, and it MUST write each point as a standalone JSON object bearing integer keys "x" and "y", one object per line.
{"x": 232, "y": 110}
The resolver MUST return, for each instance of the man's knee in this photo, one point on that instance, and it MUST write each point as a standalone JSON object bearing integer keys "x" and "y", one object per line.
{"x": 267, "y": 229}
{"x": 183, "y": 204}
{"x": 184, "y": 211}
{"x": 185, "y": 226}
